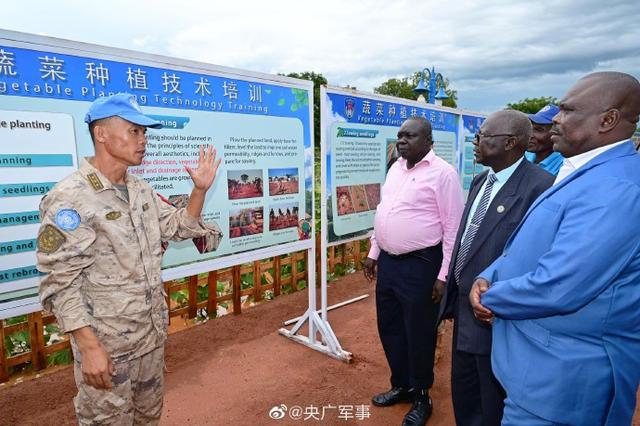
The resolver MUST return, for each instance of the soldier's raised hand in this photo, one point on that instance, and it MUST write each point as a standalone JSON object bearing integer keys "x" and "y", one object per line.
{"x": 204, "y": 175}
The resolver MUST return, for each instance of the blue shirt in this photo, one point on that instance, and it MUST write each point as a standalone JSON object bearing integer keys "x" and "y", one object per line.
{"x": 501, "y": 178}
{"x": 551, "y": 164}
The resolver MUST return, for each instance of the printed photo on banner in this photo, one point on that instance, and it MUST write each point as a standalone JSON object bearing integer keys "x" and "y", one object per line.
{"x": 283, "y": 216}
{"x": 283, "y": 181}
{"x": 244, "y": 222}
{"x": 392, "y": 152}
{"x": 357, "y": 198}
{"x": 345, "y": 203}
{"x": 244, "y": 184}
{"x": 373, "y": 195}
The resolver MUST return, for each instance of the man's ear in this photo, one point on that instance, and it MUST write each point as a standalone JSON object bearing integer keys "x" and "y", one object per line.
{"x": 512, "y": 142}
{"x": 100, "y": 133}
{"x": 609, "y": 120}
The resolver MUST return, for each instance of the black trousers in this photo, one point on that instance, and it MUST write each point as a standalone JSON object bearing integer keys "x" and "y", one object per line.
{"x": 407, "y": 315}
{"x": 478, "y": 397}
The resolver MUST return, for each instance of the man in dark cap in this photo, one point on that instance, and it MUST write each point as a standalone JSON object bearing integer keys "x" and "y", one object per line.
{"x": 540, "y": 148}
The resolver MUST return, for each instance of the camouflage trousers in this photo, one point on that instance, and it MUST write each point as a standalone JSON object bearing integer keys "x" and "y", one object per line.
{"x": 134, "y": 399}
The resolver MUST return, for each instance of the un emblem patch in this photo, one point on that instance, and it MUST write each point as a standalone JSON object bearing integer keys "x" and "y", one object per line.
{"x": 67, "y": 219}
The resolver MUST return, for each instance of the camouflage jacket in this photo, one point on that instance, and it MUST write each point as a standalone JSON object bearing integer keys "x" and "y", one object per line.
{"x": 102, "y": 256}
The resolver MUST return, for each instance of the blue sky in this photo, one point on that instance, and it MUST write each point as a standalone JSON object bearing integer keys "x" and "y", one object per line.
{"x": 283, "y": 172}
{"x": 493, "y": 52}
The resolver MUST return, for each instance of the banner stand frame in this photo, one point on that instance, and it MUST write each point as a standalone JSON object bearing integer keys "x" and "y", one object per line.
{"x": 328, "y": 344}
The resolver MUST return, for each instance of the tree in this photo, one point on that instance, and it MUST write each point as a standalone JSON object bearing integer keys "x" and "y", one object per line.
{"x": 318, "y": 80}
{"x": 403, "y": 88}
{"x": 532, "y": 105}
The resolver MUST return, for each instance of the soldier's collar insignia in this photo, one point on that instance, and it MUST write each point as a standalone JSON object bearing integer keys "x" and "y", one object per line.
{"x": 113, "y": 215}
{"x": 67, "y": 219}
{"x": 95, "y": 181}
{"x": 50, "y": 239}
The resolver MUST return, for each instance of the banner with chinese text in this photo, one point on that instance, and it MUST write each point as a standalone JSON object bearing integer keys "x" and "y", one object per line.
{"x": 471, "y": 126}
{"x": 359, "y": 146}
{"x": 261, "y": 125}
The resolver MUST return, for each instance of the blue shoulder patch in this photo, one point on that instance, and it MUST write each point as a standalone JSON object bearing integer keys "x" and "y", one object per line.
{"x": 67, "y": 219}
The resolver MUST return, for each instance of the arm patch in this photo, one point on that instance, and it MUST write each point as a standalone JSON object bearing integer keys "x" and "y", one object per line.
{"x": 50, "y": 239}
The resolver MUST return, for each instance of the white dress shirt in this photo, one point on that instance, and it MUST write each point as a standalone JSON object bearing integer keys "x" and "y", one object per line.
{"x": 571, "y": 164}
{"x": 501, "y": 179}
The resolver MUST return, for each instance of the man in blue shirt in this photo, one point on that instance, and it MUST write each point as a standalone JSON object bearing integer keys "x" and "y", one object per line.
{"x": 540, "y": 149}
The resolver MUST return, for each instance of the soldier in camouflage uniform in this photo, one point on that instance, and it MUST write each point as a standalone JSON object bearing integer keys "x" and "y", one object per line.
{"x": 100, "y": 245}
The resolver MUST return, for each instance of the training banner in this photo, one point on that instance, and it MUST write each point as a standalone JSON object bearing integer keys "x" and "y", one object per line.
{"x": 261, "y": 126}
{"x": 469, "y": 168}
{"x": 359, "y": 133}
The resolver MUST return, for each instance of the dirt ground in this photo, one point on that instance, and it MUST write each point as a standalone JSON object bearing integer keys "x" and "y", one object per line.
{"x": 235, "y": 369}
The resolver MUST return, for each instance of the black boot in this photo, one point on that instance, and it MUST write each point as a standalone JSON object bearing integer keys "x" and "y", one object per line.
{"x": 420, "y": 410}
{"x": 393, "y": 396}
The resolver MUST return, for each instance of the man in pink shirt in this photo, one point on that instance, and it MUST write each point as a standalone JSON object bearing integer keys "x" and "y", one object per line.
{"x": 414, "y": 231}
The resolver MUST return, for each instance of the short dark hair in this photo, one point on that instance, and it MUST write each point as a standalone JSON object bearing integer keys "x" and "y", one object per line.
{"x": 517, "y": 123}
{"x": 92, "y": 127}
{"x": 425, "y": 125}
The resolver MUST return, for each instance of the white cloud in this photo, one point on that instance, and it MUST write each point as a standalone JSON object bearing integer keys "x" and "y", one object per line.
{"x": 142, "y": 42}
{"x": 493, "y": 52}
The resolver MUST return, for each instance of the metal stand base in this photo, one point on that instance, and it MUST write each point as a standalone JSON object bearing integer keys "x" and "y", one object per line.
{"x": 329, "y": 344}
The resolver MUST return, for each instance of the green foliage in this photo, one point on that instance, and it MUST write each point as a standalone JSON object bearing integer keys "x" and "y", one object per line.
{"x": 300, "y": 265}
{"x": 285, "y": 270}
{"x": 202, "y": 293}
{"x": 246, "y": 284}
{"x": 398, "y": 87}
{"x": 17, "y": 343}
{"x": 15, "y": 320}
{"x": 532, "y": 105}
{"x": 52, "y": 334}
{"x": 62, "y": 357}
{"x": 180, "y": 297}
{"x": 49, "y": 329}
{"x": 403, "y": 88}
{"x": 318, "y": 80}
{"x": 268, "y": 295}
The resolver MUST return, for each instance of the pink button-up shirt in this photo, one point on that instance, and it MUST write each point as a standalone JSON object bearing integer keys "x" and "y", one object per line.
{"x": 420, "y": 207}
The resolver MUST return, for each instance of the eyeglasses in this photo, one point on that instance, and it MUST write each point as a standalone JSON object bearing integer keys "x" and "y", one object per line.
{"x": 487, "y": 136}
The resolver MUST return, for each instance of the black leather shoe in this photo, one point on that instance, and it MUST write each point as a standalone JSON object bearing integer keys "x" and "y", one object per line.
{"x": 419, "y": 413}
{"x": 392, "y": 396}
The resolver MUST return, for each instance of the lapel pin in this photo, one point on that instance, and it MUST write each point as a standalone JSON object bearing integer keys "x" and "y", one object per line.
{"x": 500, "y": 209}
